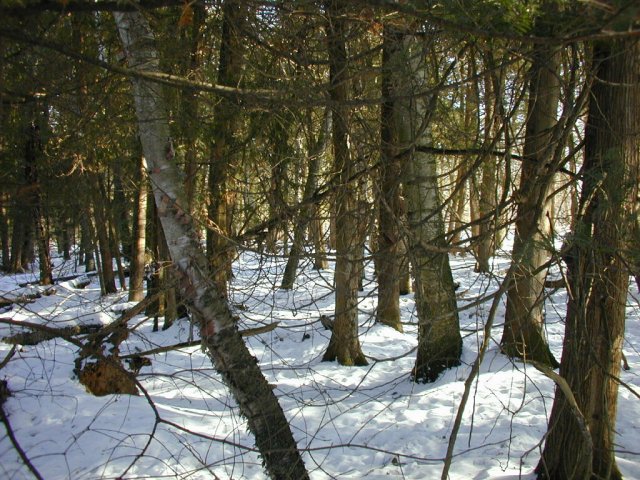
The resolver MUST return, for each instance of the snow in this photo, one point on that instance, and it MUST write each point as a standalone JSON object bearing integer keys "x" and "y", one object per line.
{"x": 350, "y": 422}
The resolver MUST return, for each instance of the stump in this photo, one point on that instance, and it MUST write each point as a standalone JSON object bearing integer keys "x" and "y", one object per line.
{"x": 106, "y": 377}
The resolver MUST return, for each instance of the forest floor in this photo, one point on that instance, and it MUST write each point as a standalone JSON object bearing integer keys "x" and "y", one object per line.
{"x": 350, "y": 422}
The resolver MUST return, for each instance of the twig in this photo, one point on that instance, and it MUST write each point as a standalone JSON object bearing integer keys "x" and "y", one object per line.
{"x": 8, "y": 357}
{"x": 137, "y": 309}
{"x": 245, "y": 333}
{"x": 57, "y": 280}
{"x": 475, "y": 370}
{"x": 571, "y": 400}
{"x": 4, "y": 393}
{"x": 39, "y": 336}
{"x": 56, "y": 332}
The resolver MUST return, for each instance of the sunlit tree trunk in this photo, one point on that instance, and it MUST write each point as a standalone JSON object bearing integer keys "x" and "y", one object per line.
{"x": 208, "y": 305}
{"x": 471, "y": 131}
{"x": 317, "y": 235}
{"x": 155, "y": 309}
{"x": 490, "y": 172}
{"x": 138, "y": 254}
{"x": 404, "y": 269}
{"x": 598, "y": 273}
{"x": 439, "y": 339}
{"x": 344, "y": 344}
{"x": 457, "y": 207}
{"x": 523, "y": 335}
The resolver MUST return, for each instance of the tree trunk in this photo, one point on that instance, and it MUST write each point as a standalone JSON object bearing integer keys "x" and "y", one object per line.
{"x": 22, "y": 232}
{"x": 457, "y": 208}
{"x": 33, "y": 156}
{"x": 279, "y": 158}
{"x": 472, "y": 130}
{"x": 224, "y": 143}
{"x": 114, "y": 238}
{"x": 523, "y": 335}
{"x": 4, "y": 233}
{"x": 138, "y": 254}
{"x": 166, "y": 279}
{"x": 210, "y": 310}
{"x": 155, "y": 308}
{"x": 598, "y": 274}
{"x": 120, "y": 214}
{"x": 66, "y": 237}
{"x": 315, "y": 231}
{"x": 306, "y": 212}
{"x": 389, "y": 200}
{"x": 87, "y": 240}
{"x": 189, "y": 125}
{"x": 487, "y": 200}
{"x": 439, "y": 339}
{"x": 404, "y": 284}
{"x": 100, "y": 201}
{"x": 344, "y": 345}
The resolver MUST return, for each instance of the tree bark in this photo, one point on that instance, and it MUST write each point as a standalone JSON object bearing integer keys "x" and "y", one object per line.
{"x": 598, "y": 273}
{"x": 389, "y": 200}
{"x": 488, "y": 234}
{"x": 439, "y": 339}
{"x": 22, "y": 232}
{"x": 87, "y": 240}
{"x": 279, "y": 158}
{"x": 315, "y": 231}
{"x": 344, "y": 345}
{"x": 523, "y": 335}
{"x": 138, "y": 254}
{"x": 191, "y": 41}
{"x": 4, "y": 233}
{"x": 119, "y": 214}
{"x": 306, "y": 213}
{"x": 33, "y": 156}
{"x": 226, "y": 118}
{"x": 100, "y": 202}
{"x": 210, "y": 310}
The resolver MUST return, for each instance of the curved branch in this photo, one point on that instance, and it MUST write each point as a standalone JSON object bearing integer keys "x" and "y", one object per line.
{"x": 4, "y": 394}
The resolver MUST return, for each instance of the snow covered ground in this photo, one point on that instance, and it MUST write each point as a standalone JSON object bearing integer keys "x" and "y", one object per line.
{"x": 351, "y": 422}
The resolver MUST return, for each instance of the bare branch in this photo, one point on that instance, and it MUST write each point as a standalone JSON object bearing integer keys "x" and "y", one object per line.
{"x": 4, "y": 394}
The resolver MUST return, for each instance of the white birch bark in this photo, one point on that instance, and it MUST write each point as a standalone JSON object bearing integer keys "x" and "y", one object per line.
{"x": 439, "y": 339}
{"x": 209, "y": 309}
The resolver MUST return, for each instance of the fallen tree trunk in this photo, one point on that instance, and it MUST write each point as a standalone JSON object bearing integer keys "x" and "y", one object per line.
{"x": 19, "y": 299}
{"x": 209, "y": 308}
{"x": 98, "y": 332}
{"x": 64, "y": 278}
{"x": 194, "y": 343}
{"x": 37, "y": 336}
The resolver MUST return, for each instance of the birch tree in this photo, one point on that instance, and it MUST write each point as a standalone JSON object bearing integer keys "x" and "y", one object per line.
{"x": 209, "y": 309}
{"x": 439, "y": 339}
